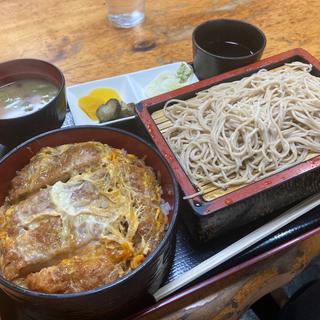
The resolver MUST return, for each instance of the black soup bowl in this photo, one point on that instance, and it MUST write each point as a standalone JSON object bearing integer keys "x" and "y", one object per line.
{"x": 16, "y": 130}
{"x": 225, "y": 44}
{"x": 126, "y": 294}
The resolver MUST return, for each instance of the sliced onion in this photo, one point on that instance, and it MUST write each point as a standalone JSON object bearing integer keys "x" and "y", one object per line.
{"x": 165, "y": 207}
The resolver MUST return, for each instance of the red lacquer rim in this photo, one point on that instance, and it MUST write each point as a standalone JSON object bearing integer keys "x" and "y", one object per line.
{"x": 246, "y": 191}
{"x": 175, "y": 298}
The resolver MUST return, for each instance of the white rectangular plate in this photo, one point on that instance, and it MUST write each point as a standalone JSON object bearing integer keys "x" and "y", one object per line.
{"x": 130, "y": 87}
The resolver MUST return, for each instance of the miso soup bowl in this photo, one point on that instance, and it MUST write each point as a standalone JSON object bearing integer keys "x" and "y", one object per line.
{"x": 130, "y": 292}
{"x": 16, "y": 130}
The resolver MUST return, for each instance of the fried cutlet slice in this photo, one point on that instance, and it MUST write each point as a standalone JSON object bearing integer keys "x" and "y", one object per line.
{"x": 98, "y": 266}
{"x": 38, "y": 231}
{"x": 55, "y": 164}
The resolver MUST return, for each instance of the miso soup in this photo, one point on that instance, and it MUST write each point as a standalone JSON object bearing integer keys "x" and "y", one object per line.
{"x": 25, "y": 96}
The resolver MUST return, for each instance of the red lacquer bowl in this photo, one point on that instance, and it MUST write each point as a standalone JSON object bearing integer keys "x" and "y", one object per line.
{"x": 127, "y": 293}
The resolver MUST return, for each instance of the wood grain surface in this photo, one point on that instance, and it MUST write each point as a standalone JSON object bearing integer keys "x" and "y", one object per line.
{"x": 76, "y": 36}
{"x": 229, "y": 298}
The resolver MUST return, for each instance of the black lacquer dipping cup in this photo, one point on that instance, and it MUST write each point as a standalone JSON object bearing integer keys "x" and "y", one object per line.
{"x": 224, "y": 44}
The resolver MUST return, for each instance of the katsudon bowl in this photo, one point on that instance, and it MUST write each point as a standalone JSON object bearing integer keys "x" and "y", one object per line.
{"x": 126, "y": 294}
{"x": 43, "y": 111}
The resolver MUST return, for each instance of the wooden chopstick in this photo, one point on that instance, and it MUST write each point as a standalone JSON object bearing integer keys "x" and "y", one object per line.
{"x": 239, "y": 246}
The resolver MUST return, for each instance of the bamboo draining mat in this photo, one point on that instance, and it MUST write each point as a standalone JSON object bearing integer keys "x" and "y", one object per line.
{"x": 210, "y": 191}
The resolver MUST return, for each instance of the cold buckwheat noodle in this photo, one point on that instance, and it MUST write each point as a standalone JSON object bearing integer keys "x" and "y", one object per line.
{"x": 238, "y": 132}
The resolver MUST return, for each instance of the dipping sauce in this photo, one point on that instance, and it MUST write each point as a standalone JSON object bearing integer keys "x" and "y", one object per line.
{"x": 25, "y": 96}
{"x": 227, "y": 49}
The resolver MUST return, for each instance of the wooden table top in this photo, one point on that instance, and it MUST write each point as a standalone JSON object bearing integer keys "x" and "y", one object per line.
{"x": 76, "y": 36}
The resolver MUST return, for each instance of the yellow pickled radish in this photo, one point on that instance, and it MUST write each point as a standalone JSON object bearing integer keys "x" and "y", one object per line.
{"x": 105, "y": 94}
{"x": 90, "y": 105}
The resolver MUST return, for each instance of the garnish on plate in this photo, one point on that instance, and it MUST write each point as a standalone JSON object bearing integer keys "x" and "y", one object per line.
{"x": 168, "y": 81}
{"x": 105, "y": 104}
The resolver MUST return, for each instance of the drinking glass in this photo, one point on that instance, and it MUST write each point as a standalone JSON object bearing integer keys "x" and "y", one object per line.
{"x": 125, "y": 13}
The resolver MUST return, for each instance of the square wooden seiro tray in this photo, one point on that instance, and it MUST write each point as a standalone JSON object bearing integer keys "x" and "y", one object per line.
{"x": 218, "y": 211}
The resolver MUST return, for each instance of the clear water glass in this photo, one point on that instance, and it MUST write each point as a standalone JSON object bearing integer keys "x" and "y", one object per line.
{"x": 125, "y": 13}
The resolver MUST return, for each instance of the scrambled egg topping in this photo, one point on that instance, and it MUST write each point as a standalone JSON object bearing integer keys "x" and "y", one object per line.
{"x": 69, "y": 228}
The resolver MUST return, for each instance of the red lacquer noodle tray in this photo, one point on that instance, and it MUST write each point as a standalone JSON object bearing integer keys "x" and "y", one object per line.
{"x": 216, "y": 212}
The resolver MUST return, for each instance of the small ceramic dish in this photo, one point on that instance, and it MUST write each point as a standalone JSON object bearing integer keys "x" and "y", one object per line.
{"x": 131, "y": 88}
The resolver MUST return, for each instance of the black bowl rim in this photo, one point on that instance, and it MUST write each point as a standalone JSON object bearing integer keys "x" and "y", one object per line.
{"x": 264, "y": 39}
{"x": 171, "y": 228}
{"x": 61, "y": 88}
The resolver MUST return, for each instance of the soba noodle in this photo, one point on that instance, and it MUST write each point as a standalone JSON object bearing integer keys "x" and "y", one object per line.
{"x": 238, "y": 132}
